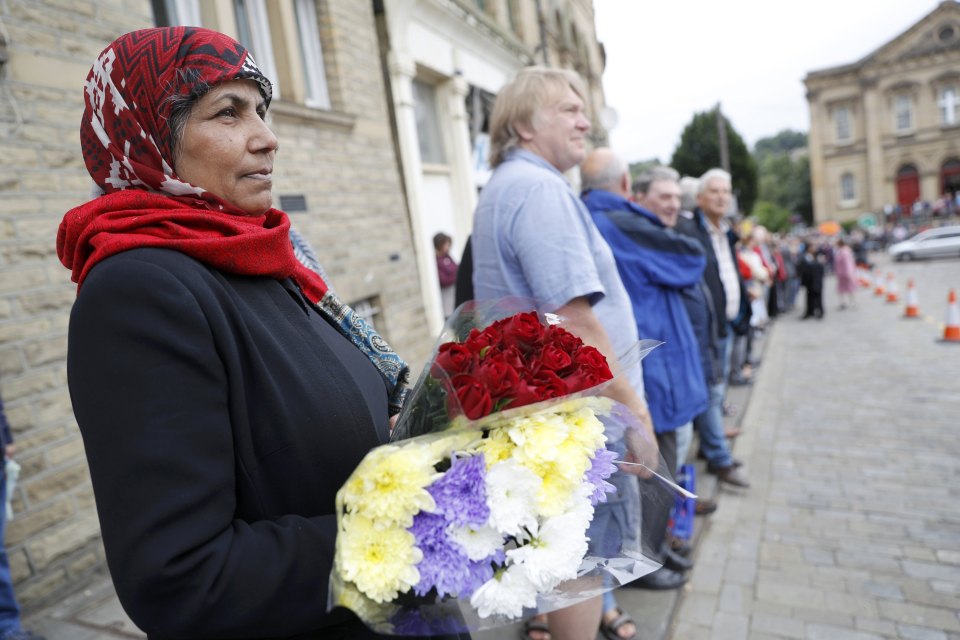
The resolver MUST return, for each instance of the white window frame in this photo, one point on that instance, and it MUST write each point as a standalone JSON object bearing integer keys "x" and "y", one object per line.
{"x": 842, "y": 128}
{"x": 902, "y": 113}
{"x": 848, "y": 187}
{"x": 949, "y": 108}
{"x": 185, "y": 13}
{"x": 262, "y": 45}
{"x": 311, "y": 51}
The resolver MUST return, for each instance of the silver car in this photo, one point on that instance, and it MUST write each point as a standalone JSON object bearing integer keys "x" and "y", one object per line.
{"x": 932, "y": 243}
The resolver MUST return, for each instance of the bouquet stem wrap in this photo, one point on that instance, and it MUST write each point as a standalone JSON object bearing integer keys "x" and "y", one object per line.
{"x": 500, "y": 496}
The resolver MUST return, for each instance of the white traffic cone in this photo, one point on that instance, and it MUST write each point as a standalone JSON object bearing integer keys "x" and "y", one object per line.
{"x": 912, "y": 310}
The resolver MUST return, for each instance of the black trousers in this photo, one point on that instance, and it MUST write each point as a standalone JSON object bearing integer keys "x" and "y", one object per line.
{"x": 655, "y": 514}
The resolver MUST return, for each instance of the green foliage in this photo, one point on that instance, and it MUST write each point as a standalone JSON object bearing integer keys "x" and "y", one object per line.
{"x": 699, "y": 150}
{"x": 785, "y": 173}
{"x": 636, "y": 168}
{"x": 772, "y": 216}
{"x": 784, "y": 142}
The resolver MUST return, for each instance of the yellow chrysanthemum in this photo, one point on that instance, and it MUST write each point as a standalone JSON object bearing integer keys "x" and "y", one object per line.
{"x": 496, "y": 447}
{"x": 370, "y": 612}
{"x": 587, "y": 429}
{"x": 389, "y": 485}
{"x": 556, "y": 489}
{"x": 538, "y": 436}
{"x": 380, "y": 561}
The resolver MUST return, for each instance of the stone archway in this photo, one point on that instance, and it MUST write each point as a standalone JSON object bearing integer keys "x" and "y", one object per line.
{"x": 950, "y": 177}
{"x": 908, "y": 187}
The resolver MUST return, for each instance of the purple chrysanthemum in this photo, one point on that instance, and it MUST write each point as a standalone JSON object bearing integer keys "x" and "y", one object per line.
{"x": 445, "y": 566}
{"x": 461, "y": 494}
{"x": 601, "y": 468}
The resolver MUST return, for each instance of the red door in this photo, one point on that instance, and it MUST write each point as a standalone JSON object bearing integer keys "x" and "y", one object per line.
{"x": 908, "y": 188}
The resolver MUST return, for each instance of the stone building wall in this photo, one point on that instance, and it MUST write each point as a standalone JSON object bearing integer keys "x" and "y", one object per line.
{"x": 341, "y": 160}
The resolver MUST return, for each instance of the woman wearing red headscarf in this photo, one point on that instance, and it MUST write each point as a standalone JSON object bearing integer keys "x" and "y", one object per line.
{"x": 223, "y": 391}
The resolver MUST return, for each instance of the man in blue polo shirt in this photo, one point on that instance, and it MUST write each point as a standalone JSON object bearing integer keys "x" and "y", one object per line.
{"x": 532, "y": 237}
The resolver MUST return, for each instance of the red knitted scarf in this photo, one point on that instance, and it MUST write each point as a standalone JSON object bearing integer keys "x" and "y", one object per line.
{"x": 123, "y": 220}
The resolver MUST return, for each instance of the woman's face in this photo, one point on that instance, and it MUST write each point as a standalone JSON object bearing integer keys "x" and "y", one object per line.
{"x": 228, "y": 149}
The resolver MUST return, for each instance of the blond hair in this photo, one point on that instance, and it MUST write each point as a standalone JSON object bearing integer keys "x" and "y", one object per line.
{"x": 519, "y": 102}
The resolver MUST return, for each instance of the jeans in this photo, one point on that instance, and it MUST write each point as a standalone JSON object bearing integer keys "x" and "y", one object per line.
{"x": 709, "y": 424}
{"x": 9, "y": 609}
{"x": 684, "y": 436}
{"x": 616, "y": 525}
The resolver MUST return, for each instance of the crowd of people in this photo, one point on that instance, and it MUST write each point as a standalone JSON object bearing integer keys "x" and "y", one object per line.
{"x": 225, "y": 392}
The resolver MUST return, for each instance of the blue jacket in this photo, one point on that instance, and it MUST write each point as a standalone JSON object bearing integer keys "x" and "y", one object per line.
{"x": 656, "y": 264}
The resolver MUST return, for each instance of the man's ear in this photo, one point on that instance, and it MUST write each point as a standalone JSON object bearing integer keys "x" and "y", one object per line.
{"x": 524, "y": 131}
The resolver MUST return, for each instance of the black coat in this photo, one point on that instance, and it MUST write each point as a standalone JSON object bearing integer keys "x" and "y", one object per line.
{"x": 220, "y": 414}
{"x": 696, "y": 228}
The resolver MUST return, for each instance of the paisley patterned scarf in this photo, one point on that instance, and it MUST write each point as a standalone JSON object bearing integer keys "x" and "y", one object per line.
{"x": 126, "y": 145}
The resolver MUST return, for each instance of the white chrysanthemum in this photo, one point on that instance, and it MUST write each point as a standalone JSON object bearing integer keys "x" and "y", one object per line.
{"x": 555, "y": 552}
{"x": 512, "y": 496}
{"x": 477, "y": 542}
{"x": 579, "y": 508}
{"x": 506, "y": 594}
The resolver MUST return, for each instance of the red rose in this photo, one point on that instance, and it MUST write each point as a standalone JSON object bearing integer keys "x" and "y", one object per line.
{"x": 553, "y": 358}
{"x": 581, "y": 379}
{"x": 524, "y": 393}
{"x": 562, "y": 338}
{"x": 513, "y": 358}
{"x": 498, "y": 377}
{"x": 523, "y": 330}
{"x": 549, "y": 385}
{"x": 452, "y": 358}
{"x": 478, "y": 340}
{"x": 590, "y": 358}
{"x": 472, "y": 396}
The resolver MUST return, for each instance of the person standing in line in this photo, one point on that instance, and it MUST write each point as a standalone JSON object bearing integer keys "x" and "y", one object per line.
{"x": 446, "y": 272}
{"x": 811, "y": 278}
{"x": 710, "y": 228}
{"x": 10, "y": 625}
{"x": 532, "y": 237}
{"x": 845, "y": 267}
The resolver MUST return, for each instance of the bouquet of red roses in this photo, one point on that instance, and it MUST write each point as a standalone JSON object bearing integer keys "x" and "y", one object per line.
{"x": 477, "y": 514}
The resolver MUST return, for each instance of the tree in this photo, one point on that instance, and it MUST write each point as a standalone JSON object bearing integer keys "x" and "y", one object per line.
{"x": 784, "y": 171}
{"x": 636, "y": 168}
{"x": 699, "y": 150}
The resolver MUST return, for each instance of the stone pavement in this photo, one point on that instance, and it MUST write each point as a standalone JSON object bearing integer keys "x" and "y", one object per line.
{"x": 851, "y": 530}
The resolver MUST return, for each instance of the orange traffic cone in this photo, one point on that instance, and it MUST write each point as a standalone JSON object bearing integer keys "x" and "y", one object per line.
{"x": 912, "y": 310}
{"x": 878, "y": 284}
{"x": 862, "y": 277}
{"x": 951, "y": 332}
{"x": 892, "y": 293}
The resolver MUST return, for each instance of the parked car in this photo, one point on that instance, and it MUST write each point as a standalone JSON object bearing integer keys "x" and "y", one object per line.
{"x": 932, "y": 243}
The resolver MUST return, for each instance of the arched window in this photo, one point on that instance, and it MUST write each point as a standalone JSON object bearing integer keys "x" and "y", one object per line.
{"x": 848, "y": 187}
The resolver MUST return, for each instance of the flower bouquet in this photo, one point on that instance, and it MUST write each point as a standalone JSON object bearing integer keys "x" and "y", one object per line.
{"x": 479, "y": 513}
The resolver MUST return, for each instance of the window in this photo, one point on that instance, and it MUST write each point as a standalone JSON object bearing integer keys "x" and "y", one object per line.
{"x": 369, "y": 309}
{"x": 841, "y": 119}
{"x": 847, "y": 188}
{"x": 949, "y": 102}
{"x": 902, "y": 113}
{"x": 176, "y": 13}
{"x": 253, "y": 28}
{"x": 312, "y": 55}
{"x": 428, "y": 128}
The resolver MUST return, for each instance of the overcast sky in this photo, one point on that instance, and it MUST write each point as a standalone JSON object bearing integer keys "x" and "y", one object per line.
{"x": 668, "y": 59}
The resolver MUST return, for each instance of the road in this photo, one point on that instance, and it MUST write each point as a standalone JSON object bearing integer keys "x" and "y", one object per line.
{"x": 851, "y": 530}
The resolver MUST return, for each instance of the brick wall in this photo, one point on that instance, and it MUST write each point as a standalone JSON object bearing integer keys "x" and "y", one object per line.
{"x": 343, "y": 162}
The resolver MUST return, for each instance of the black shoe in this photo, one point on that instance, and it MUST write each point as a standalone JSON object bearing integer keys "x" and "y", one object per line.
{"x": 675, "y": 561}
{"x": 740, "y": 381}
{"x": 659, "y": 580}
{"x": 731, "y": 475}
{"x": 704, "y": 507}
{"x": 681, "y": 547}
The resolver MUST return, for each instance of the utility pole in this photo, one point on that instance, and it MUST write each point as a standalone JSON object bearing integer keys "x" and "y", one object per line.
{"x": 542, "y": 19}
{"x": 722, "y": 137}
